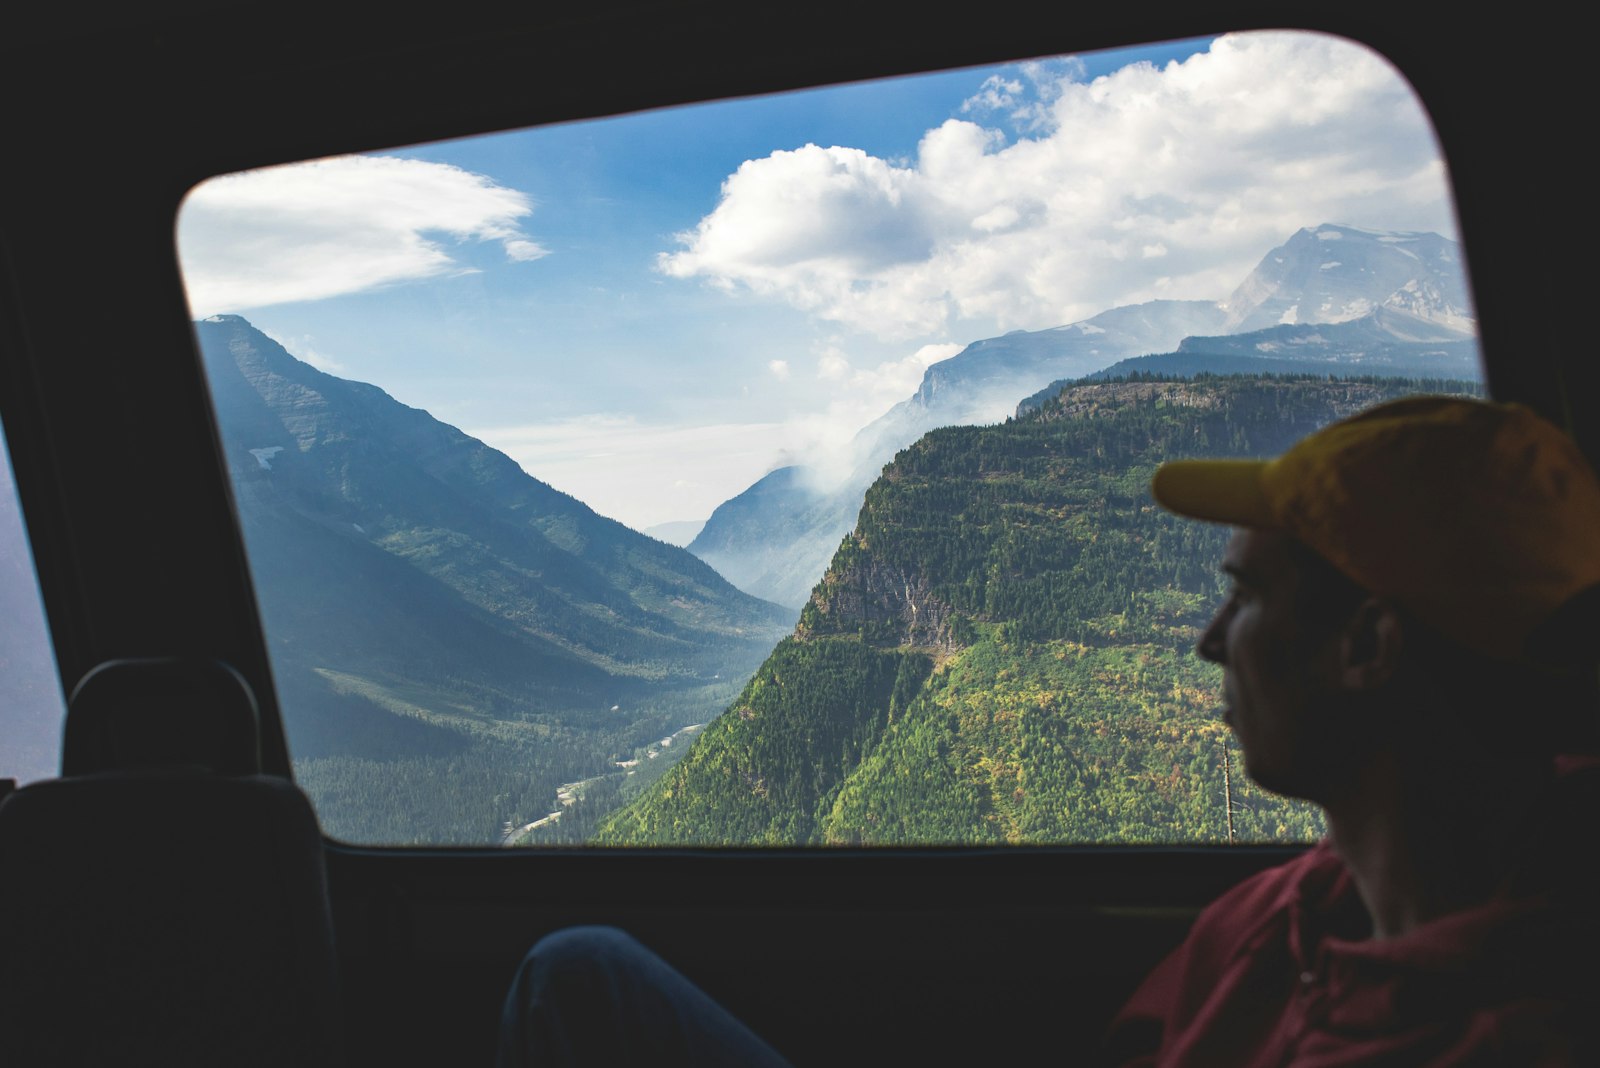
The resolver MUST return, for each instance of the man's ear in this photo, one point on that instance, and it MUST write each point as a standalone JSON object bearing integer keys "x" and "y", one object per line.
{"x": 1371, "y": 645}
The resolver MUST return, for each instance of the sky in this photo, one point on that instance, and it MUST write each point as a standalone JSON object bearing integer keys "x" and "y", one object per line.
{"x": 652, "y": 311}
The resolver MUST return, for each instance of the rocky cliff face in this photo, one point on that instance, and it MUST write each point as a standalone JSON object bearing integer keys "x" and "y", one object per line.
{"x": 886, "y": 604}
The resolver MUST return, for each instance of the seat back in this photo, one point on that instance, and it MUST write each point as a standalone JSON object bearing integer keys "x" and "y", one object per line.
{"x": 164, "y": 915}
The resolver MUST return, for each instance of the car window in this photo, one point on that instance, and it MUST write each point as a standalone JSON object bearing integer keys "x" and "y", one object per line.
{"x": 31, "y": 707}
{"x": 773, "y": 471}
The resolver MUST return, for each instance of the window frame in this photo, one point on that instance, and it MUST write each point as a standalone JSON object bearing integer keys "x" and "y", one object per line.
{"x": 94, "y": 592}
{"x": 90, "y": 346}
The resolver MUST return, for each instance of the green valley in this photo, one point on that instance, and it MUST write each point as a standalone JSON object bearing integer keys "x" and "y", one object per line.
{"x": 452, "y": 640}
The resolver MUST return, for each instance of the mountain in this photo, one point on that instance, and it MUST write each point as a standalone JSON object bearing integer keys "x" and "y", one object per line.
{"x": 678, "y": 532}
{"x": 1332, "y": 274}
{"x": 1388, "y": 303}
{"x": 1002, "y": 649}
{"x": 979, "y": 383}
{"x": 441, "y": 622}
{"x": 774, "y": 539}
{"x": 1381, "y": 342}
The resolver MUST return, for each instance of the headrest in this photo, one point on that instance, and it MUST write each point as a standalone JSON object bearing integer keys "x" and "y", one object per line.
{"x": 159, "y": 712}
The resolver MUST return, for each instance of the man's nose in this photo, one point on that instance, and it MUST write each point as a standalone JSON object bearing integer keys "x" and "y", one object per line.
{"x": 1211, "y": 645}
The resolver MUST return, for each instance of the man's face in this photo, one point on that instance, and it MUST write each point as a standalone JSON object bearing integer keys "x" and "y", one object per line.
{"x": 1279, "y": 666}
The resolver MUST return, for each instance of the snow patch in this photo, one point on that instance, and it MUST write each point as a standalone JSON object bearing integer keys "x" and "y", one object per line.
{"x": 1290, "y": 316}
{"x": 1329, "y": 235}
{"x": 1330, "y": 265}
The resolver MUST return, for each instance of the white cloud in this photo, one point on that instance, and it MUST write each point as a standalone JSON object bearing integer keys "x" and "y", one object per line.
{"x": 832, "y": 364}
{"x": 642, "y": 473}
{"x": 1026, "y": 104}
{"x": 1149, "y": 182}
{"x": 779, "y": 369}
{"x": 822, "y": 439}
{"x": 886, "y": 382}
{"x": 997, "y": 93}
{"x": 303, "y": 347}
{"x": 522, "y": 251}
{"x": 894, "y": 380}
{"x": 341, "y": 225}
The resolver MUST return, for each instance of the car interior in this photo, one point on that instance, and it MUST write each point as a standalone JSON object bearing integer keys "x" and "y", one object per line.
{"x": 169, "y": 899}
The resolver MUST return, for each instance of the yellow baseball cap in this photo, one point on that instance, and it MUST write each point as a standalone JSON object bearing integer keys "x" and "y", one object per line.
{"x": 1482, "y": 519}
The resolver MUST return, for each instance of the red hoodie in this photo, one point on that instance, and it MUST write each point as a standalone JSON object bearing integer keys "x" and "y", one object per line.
{"x": 1281, "y": 971}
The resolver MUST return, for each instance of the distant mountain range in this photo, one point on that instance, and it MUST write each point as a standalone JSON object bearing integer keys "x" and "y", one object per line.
{"x": 424, "y": 597}
{"x": 676, "y": 532}
{"x": 1329, "y": 298}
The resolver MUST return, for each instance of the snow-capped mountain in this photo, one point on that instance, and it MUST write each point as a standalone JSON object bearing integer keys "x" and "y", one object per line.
{"x": 1389, "y": 303}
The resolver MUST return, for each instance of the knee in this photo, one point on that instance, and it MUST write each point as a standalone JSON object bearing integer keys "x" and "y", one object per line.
{"x": 584, "y": 947}
{"x": 577, "y": 957}
{"x": 565, "y": 998}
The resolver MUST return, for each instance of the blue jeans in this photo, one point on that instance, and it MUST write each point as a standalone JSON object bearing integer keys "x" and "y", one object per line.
{"x": 592, "y": 996}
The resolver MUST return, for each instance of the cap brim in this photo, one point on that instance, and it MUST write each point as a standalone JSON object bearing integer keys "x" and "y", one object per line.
{"x": 1220, "y": 491}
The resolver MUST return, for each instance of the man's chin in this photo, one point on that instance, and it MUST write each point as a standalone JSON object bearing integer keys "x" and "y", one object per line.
{"x": 1275, "y": 781}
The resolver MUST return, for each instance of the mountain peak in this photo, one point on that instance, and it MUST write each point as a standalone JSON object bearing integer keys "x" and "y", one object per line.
{"x": 1334, "y": 273}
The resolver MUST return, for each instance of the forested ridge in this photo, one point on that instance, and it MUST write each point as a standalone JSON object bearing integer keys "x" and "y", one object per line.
{"x": 1001, "y": 651}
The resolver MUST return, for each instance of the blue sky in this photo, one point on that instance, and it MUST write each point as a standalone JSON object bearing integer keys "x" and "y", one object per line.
{"x": 651, "y": 311}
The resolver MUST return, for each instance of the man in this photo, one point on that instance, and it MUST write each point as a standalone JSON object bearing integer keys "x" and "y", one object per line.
{"x": 1409, "y": 642}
